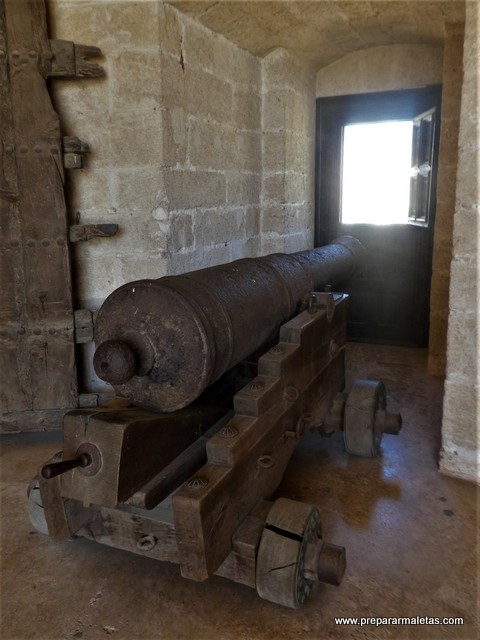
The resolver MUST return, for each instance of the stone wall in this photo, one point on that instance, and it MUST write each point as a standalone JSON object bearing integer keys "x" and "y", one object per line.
{"x": 288, "y": 124}
{"x": 174, "y": 130}
{"x": 201, "y": 152}
{"x": 460, "y": 434}
{"x": 175, "y": 135}
{"x": 447, "y": 173}
{"x": 384, "y": 68}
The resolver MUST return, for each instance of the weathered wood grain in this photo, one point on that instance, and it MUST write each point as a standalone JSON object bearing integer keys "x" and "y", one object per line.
{"x": 36, "y": 314}
{"x": 247, "y": 467}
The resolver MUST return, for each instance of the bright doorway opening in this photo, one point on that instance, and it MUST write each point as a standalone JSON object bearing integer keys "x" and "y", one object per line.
{"x": 376, "y": 172}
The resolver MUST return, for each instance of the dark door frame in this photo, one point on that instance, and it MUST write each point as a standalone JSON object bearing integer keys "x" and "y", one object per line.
{"x": 333, "y": 114}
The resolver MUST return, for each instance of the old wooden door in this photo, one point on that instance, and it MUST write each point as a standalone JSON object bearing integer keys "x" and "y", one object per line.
{"x": 37, "y": 366}
{"x": 390, "y": 295}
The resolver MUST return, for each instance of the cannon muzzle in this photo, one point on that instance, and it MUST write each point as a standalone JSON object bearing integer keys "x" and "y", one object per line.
{"x": 161, "y": 342}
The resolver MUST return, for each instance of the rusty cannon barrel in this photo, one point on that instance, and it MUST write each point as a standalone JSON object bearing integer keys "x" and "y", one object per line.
{"x": 160, "y": 343}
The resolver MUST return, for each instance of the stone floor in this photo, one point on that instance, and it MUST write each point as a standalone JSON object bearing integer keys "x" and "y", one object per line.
{"x": 411, "y": 537}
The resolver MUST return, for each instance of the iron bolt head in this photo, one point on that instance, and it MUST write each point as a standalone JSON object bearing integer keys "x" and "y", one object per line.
{"x": 147, "y": 542}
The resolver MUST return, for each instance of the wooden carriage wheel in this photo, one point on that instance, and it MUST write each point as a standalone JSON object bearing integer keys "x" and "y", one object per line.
{"x": 280, "y": 573}
{"x": 362, "y": 432}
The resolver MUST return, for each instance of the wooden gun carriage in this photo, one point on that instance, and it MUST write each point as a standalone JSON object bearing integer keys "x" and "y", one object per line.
{"x": 227, "y": 369}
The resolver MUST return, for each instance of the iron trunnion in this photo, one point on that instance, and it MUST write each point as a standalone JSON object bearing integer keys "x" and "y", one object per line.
{"x": 228, "y": 368}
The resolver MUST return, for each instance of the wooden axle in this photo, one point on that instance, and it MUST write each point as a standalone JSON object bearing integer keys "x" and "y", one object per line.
{"x": 262, "y": 556}
{"x": 54, "y": 469}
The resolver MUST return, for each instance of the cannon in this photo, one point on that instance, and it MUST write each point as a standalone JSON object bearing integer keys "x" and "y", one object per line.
{"x": 162, "y": 342}
{"x": 222, "y": 372}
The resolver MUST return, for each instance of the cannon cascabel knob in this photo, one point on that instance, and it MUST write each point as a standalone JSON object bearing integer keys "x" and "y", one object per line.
{"x": 115, "y": 362}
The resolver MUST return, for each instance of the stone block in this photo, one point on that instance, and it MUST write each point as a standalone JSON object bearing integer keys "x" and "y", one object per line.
{"x": 470, "y": 106}
{"x": 448, "y": 148}
{"x": 274, "y": 151}
{"x": 459, "y": 461}
{"x": 274, "y": 219}
{"x": 288, "y": 187}
{"x": 287, "y": 152}
{"x": 135, "y": 190}
{"x": 212, "y": 52}
{"x": 181, "y": 231}
{"x": 239, "y": 66}
{"x": 298, "y": 242}
{"x": 142, "y": 265}
{"x": 82, "y": 105}
{"x": 272, "y": 243}
{"x": 182, "y": 262}
{"x": 299, "y": 155}
{"x": 246, "y": 113}
{"x": 218, "y": 227}
{"x": 252, "y": 247}
{"x": 287, "y": 219}
{"x": 249, "y": 150}
{"x": 286, "y": 243}
{"x": 211, "y": 146}
{"x": 135, "y": 81}
{"x": 237, "y": 249}
{"x": 108, "y": 25}
{"x": 462, "y": 343}
{"x": 460, "y": 409}
{"x": 243, "y": 188}
{"x": 382, "y": 68}
{"x": 175, "y": 137}
{"x": 170, "y": 29}
{"x": 101, "y": 267}
{"x": 251, "y": 224}
{"x": 90, "y": 195}
{"x": 192, "y": 189}
{"x": 286, "y": 110}
{"x": 173, "y": 82}
{"x": 464, "y": 286}
{"x": 207, "y": 95}
{"x": 133, "y": 140}
{"x": 212, "y": 255}
{"x": 280, "y": 69}
{"x": 465, "y": 235}
{"x": 467, "y": 174}
{"x": 275, "y": 104}
{"x": 200, "y": 45}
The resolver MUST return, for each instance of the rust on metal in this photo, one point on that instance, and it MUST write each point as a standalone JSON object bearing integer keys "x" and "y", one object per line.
{"x": 162, "y": 342}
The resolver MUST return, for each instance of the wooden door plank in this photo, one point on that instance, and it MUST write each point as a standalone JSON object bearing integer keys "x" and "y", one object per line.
{"x": 37, "y": 311}
{"x": 11, "y": 263}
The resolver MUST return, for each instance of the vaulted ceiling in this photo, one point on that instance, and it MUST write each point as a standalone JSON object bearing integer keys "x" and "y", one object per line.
{"x": 322, "y": 31}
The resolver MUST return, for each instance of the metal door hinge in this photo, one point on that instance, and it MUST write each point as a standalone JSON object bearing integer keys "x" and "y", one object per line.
{"x": 84, "y": 325}
{"x": 74, "y": 151}
{"x": 70, "y": 60}
{"x": 83, "y": 232}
